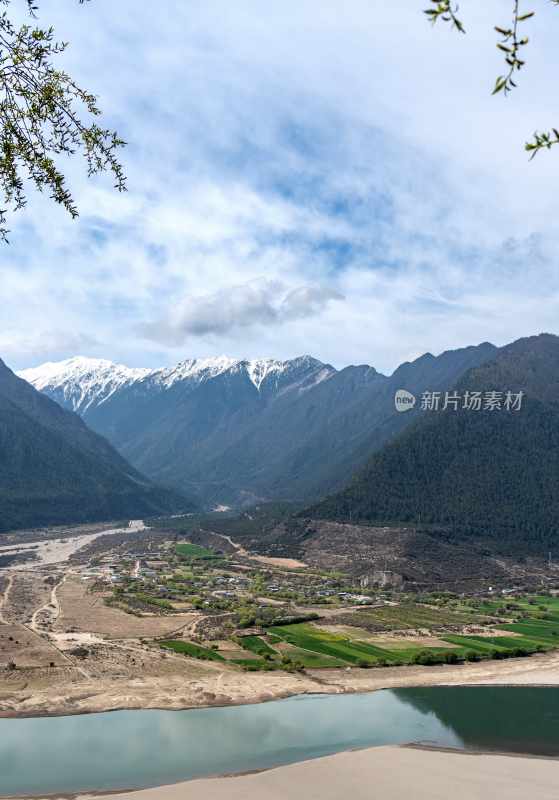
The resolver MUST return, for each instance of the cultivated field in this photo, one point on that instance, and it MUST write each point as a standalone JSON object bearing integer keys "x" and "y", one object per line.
{"x": 141, "y": 618}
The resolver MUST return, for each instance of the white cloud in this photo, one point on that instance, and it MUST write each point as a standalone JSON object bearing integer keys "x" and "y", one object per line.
{"x": 251, "y": 305}
{"x": 280, "y": 158}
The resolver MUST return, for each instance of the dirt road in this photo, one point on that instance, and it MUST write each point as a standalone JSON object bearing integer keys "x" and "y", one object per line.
{"x": 4, "y": 600}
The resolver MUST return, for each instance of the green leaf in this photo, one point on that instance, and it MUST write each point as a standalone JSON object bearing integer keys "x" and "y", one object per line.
{"x": 499, "y": 85}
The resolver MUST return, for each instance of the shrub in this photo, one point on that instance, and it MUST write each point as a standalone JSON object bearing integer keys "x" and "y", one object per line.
{"x": 426, "y": 658}
{"x": 471, "y": 655}
{"x": 451, "y": 658}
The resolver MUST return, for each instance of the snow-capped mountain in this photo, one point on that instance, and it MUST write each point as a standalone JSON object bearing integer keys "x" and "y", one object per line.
{"x": 230, "y": 430}
{"x": 54, "y": 469}
{"x": 258, "y": 371}
{"x": 82, "y": 384}
{"x": 78, "y": 383}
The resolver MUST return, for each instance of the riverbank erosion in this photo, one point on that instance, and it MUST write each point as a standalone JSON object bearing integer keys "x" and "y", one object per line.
{"x": 392, "y": 773}
{"x": 140, "y": 678}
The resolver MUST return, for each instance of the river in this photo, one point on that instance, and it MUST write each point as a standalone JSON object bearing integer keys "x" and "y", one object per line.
{"x": 134, "y": 749}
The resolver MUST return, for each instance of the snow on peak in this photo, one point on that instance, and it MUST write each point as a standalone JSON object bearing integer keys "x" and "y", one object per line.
{"x": 80, "y": 381}
{"x": 202, "y": 368}
{"x": 206, "y": 368}
{"x": 58, "y": 371}
{"x": 259, "y": 369}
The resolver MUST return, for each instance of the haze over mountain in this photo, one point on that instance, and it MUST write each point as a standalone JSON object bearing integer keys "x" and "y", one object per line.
{"x": 236, "y": 431}
{"x": 53, "y": 469}
{"x": 493, "y": 473}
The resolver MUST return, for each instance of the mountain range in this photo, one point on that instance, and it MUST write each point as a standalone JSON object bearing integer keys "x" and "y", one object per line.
{"x": 491, "y": 471}
{"x": 235, "y": 432}
{"x": 54, "y": 469}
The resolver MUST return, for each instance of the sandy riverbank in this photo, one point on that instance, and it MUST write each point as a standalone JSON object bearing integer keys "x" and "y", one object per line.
{"x": 390, "y": 773}
{"x": 192, "y": 684}
{"x": 53, "y": 551}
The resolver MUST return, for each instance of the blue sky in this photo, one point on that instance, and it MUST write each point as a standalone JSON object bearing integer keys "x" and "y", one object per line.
{"x": 304, "y": 177}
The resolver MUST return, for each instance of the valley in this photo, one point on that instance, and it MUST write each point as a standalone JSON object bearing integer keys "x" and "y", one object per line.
{"x": 137, "y": 616}
{"x": 253, "y": 531}
{"x": 227, "y": 431}
{"x": 279, "y": 401}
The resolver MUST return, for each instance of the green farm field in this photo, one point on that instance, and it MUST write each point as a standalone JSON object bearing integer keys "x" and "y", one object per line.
{"x": 257, "y": 645}
{"x": 194, "y": 552}
{"x": 305, "y": 645}
{"x": 192, "y": 650}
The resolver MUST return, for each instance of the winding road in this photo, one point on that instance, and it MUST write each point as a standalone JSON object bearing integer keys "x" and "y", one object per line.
{"x": 52, "y": 608}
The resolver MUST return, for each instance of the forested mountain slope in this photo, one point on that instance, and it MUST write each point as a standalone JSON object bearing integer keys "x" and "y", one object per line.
{"x": 489, "y": 472}
{"x": 53, "y": 469}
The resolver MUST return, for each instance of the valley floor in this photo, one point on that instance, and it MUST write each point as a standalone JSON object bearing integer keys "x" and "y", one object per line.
{"x": 48, "y": 617}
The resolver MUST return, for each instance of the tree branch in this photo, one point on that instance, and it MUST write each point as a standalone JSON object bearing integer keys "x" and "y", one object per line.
{"x": 41, "y": 117}
{"x": 511, "y": 44}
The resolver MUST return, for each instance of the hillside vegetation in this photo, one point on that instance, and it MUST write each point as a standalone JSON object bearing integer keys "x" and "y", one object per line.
{"x": 53, "y": 469}
{"x": 488, "y": 473}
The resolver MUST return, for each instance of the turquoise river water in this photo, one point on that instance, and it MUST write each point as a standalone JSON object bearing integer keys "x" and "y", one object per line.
{"x": 129, "y": 749}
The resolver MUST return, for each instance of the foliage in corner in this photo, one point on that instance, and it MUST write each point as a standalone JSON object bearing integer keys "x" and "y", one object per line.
{"x": 44, "y": 115}
{"x": 511, "y": 43}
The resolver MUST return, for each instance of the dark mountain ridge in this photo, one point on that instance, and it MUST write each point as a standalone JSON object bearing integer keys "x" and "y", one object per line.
{"x": 490, "y": 473}
{"x": 237, "y": 432}
{"x": 53, "y": 469}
